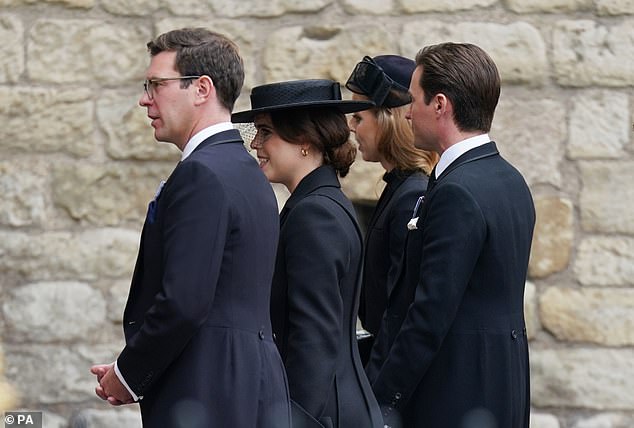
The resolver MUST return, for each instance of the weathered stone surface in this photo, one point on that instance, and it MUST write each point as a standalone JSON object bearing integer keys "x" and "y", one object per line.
{"x": 49, "y": 374}
{"x": 54, "y": 311}
{"x": 531, "y": 316}
{"x": 543, "y": 420}
{"x": 322, "y": 51}
{"x": 599, "y": 125}
{"x": 46, "y": 120}
{"x": 117, "y": 297}
{"x": 601, "y": 316}
{"x": 524, "y": 144}
{"x": 86, "y": 255}
{"x": 133, "y": 8}
{"x": 52, "y": 420}
{"x": 74, "y": 51}
{"x": 84, "y": 4}
{"x": 518, "y": 49}
{"x": 233, "y": 9}
{"x": 92, "y": 418}
{"x": 548, "y": 6}
{"x": 371, "y": 7}
{"x": 128, "y": 129}
{"x": 606, "y": 420}
{"x": 606, "y": 196}
{"x": 107, "y": 194}
{"x": 24, "y": 188}
{"x": 586, "y": 53}
{"x": 415, "y": 6}
{"x": 615, "y": 7}
{"x": 241, "y": 33}
{"x": 11, "y": 48}
{"x": 364, "y": 182}
{"x": 599, "y": 379}
{"x": 605, "y": 261}
{"x": 553, "y": 236}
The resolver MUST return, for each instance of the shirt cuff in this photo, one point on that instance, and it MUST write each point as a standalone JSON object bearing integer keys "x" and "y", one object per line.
{"x": 122, "y": 380}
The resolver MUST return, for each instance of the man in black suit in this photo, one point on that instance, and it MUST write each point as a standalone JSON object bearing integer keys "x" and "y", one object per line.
{"x": 452, "y": 350}
{"x": 199, "y": 349}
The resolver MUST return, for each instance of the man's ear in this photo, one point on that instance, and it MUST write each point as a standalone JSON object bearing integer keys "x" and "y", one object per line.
{"x": 205, "y": 88}
{"x": 441, "y": 103}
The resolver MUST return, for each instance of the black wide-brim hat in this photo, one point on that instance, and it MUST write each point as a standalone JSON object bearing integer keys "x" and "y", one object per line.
{"x": 298, "y": 94}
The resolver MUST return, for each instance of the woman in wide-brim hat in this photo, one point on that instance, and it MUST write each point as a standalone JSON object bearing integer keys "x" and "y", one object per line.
{"x": 302, "y": 142}
{"x": 384, "y": 135}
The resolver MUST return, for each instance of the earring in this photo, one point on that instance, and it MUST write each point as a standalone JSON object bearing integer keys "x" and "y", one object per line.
{"x": 304, "y": 152}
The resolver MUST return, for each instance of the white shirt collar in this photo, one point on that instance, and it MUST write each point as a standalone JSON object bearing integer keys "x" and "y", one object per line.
{"x": 202, "y": 135}
{"x": 458, "y": 149}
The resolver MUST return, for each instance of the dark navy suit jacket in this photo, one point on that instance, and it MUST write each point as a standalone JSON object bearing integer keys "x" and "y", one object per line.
{"x": 314, "y": 306}
{"x": 452, "y": 349}
{"x": 199, "y": 345}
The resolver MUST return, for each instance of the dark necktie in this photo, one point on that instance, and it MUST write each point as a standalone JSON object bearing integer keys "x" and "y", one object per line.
{"x": 432, "y": 180}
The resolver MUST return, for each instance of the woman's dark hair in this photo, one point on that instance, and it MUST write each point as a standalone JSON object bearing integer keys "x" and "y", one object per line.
{"x": 323, "y": 128}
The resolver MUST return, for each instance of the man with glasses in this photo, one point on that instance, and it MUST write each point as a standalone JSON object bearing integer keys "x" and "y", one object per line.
{"x": 199, "y": 350}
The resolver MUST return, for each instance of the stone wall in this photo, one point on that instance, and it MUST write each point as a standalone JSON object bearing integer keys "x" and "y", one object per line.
{"x": 78, "y": 165}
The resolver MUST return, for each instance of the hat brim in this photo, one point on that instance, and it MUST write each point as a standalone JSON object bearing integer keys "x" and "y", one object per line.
{"x": 344, "y": 106}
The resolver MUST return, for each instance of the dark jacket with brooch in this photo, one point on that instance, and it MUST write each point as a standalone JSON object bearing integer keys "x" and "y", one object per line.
{"x": 314, "y": 306}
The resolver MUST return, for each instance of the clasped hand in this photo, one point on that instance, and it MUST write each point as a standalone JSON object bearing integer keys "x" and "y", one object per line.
{"x": 110, "y": 387}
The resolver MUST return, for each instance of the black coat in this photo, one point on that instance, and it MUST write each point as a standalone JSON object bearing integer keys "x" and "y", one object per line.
{"x": 385, "y": 242}
{"x": 199, "y": 345}
{"x": 314, "y": 306}
{"x": 452, "y": 344}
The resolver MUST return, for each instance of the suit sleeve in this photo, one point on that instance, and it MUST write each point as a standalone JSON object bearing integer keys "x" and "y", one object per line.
{"x": 195, "y": 227}
{"x": 453, "y": 235}
{"x": 317, "y": 256}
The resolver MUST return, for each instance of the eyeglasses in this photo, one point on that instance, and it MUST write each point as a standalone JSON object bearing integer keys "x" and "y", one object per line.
{"x": 150, "y": 85}
{"x": 369, "y": 79}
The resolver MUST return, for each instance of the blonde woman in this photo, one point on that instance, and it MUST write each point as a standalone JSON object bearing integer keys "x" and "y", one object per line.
{"x": 384, "y": 135}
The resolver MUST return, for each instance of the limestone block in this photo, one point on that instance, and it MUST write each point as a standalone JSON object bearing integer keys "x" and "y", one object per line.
{"x": 543, "y": 420}
{"x": 605, "y": 261}
{"x": 531, "y": 316}
{"x": 54, "y": 311}
{"x": 86, "y": 51}
{"x": 130, "y": 8}
{"x": 606, "y": 196}
{"x": 85, "y": 255}
{"x": 107, "y": 194}
{"x": 50, "y": 374}
{"x": 536, "y": 151}
{"x": 92, "y": 418}
{"x": 586, "y": 53}
{"x": 8, "y": 397}
{"x": 548, "y": 6}
{"x": 518, "y": 49}
{"x": 415, "y": 6}
{"x": 606, "y": 420}
{"x": 53, "y": 420}
{"x": 128, "y": 129}
{"x": 553, "y": 236}
{"x": 364, "y": 182}
{"x": 322, "y": 51}
{"x": 601, "y": 316}
{"x": 11, "y": 48}
{"x": 117, "y": 297}
{"x": 600, "y": 379}
{"x": 241, "y": 33}
{"x": 64, "y": 120}
{"x": 615, "y": 7}
{"x": 369, "y": 7}
{"x": 24, "y": 188}
{"x": 599, "y": 125}
{"x": 83, "y": 4}
{"x": 271, "y": 8}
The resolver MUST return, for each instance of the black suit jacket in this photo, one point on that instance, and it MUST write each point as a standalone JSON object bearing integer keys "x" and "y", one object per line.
{"x": 314, "y": 306}
{"x": 199, "y": 345}
{"x": 453, "y": 343}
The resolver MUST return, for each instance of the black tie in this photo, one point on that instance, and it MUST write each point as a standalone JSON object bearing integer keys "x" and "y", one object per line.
{"x": 432, "y": 180}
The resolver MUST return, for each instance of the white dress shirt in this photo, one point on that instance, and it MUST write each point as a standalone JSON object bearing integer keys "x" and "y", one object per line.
{"x": 458, "y": 149}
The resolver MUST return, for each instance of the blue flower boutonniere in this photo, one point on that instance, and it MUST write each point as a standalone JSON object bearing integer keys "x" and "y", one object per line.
{"x": 412, "y": 224}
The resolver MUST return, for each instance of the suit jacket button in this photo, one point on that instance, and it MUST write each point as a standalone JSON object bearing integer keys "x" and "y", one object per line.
{"x": 514, "y": 334}
{"x": 261, "y": 334}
